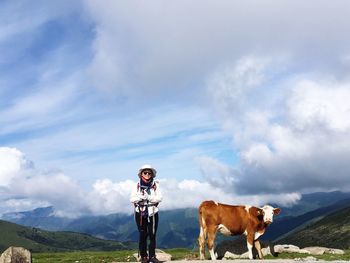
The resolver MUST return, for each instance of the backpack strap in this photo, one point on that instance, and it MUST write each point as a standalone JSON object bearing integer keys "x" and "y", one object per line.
{"x": 154, "y": 186}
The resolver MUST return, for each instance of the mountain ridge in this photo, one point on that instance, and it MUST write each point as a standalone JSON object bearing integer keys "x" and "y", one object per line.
{"x": 38, "y": 240}
{"x": 179, "y": 227}
{"x": 333, "y": 229}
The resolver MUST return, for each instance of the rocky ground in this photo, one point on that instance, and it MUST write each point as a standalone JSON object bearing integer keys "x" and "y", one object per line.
{"x": 247, "y": 260}
{"x": 242, "y": 258}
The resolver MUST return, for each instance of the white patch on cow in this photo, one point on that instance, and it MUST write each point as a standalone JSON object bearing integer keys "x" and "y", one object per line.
{"x": 201, "y": 234}
{"x": 247, "y": 207}
{"x": 257, "y": 235}
{"x": 250, "y": 250}
{"x": 268, "y": 213}
{"x": 212, "y": 254}
{"x": 245, "y": 232}
{"x": 216, "y": 203}
{"x": 203, "y": 223}
{"x": 224, "y": 230}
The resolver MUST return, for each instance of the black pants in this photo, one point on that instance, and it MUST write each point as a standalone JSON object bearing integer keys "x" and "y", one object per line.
{"x": 147, "y": 229}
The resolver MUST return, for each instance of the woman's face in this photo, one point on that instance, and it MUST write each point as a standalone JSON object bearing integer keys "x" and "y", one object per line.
{"x": 147, "y": 174}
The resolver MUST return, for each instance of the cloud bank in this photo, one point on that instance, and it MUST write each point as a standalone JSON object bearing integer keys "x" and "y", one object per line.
{"x": 146, "y": 47}
{"x": 26, "y": 188}
{"x": 278, "y": 84}
{"x": 293, "y": 137}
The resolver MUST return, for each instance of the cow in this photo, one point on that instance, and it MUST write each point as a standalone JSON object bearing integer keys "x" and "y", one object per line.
{"x": 233, "y": 220}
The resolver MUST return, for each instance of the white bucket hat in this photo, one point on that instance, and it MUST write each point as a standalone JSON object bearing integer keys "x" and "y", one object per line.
{"x": 147, "y": 167}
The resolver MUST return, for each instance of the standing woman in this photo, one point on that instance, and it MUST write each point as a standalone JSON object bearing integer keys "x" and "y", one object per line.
{"x": 146, "y": 196}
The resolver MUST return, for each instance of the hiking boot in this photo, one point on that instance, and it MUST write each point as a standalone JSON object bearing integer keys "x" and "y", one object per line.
{"x": 154, "y": 260}
{"x": 144, "y": 260}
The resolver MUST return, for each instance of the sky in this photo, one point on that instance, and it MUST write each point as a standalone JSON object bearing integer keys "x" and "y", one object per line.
{"x": 242, "y": 102}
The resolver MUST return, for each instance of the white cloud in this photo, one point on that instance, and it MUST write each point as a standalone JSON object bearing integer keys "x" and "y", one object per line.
{"x": 217, "y": 174}
{"x": 40, "y": 105}
{"x": 230, "y": 87}
{"x": 111, "y": 197}
{"x": 23, "y": 185}
{"x": 257, "y": 153}
{"x": 158, "y": 53}
{"x": 106, "y": 196}
{"x": 323, "y": 105}
{"x": 253, "y": 80}
{"x": 13, "y": 164}
{"x": 20, "y": 205}
{"x": 290, "y": 139}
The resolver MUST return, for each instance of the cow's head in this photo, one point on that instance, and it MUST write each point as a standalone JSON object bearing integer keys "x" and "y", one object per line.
{"x": 269, "y": 212}
{"x": 257, "y": 212}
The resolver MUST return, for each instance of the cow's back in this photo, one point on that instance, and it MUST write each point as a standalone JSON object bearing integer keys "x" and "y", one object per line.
{"x": 234, "y": 218}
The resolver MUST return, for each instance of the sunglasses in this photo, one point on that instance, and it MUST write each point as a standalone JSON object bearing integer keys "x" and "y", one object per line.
{"x": 147, "y": 172}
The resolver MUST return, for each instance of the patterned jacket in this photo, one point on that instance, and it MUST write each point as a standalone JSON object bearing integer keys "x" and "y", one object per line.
{"x": 141, "y": 199}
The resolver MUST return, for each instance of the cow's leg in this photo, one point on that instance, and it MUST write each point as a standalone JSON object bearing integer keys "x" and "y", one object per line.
{"x": 258, "y": 248}
{"x": 250, "y": 242}
{"x": 201, "y": 242}
{"x": 211, "y": 238}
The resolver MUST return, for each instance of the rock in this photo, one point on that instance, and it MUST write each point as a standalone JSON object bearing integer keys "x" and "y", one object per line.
{"x": 16, "y": 255}
{"x": 289, "y": 249}
{"x": 160, "y": 254}
{"x": 246, "y": 255}
{"x": 236, "y": 249}
{"x": 267, "y": 250}
{"x": 310, "y": 258}
{"x": 238, "y": 246}
{"x": 323, "y": 250}
{"x": 316, "y": 250}
{"x": 335, "y": 251}
{"x": 229, "y": 255}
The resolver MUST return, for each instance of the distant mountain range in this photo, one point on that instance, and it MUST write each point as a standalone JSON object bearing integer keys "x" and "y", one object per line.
{"x": 38, "y": 240}
{"x": 331, "y": 231}
{"x": 288, "y": 225}
{"x": 179, "y": 228}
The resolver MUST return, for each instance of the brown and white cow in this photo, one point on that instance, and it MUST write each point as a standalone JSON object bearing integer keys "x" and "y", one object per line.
{"x": 233, "y": 220}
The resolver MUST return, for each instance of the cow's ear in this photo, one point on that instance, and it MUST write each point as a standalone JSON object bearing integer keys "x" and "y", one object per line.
{"x": 276, "y": 211}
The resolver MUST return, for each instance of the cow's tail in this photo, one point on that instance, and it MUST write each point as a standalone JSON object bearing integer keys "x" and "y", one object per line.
{"x": 201, "y": 218}
{"x": 202, "y": 232}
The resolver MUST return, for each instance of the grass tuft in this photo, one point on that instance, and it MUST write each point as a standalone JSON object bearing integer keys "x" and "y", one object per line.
{"x": 176, "y": 253}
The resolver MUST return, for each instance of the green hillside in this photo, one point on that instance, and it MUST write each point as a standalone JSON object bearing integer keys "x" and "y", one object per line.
{"x": 38, "y": 240}
{"x": 331, "y": 231}
{"x": 177, "y": 228}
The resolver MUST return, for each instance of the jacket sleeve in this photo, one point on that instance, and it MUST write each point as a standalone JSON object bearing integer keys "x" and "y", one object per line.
{"x": 135, "y": 196}
{"x": 156, "y": 196}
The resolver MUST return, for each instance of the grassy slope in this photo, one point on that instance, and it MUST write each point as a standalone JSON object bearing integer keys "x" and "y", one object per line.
{"x": 331, "y": 231}
{"x": 44, "y": 241}
{"x": 126, "y": 256}
{"x": 287, "y": 225}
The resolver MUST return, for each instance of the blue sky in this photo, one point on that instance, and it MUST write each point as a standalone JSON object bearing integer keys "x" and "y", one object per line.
{"x": 243, "y": 101}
